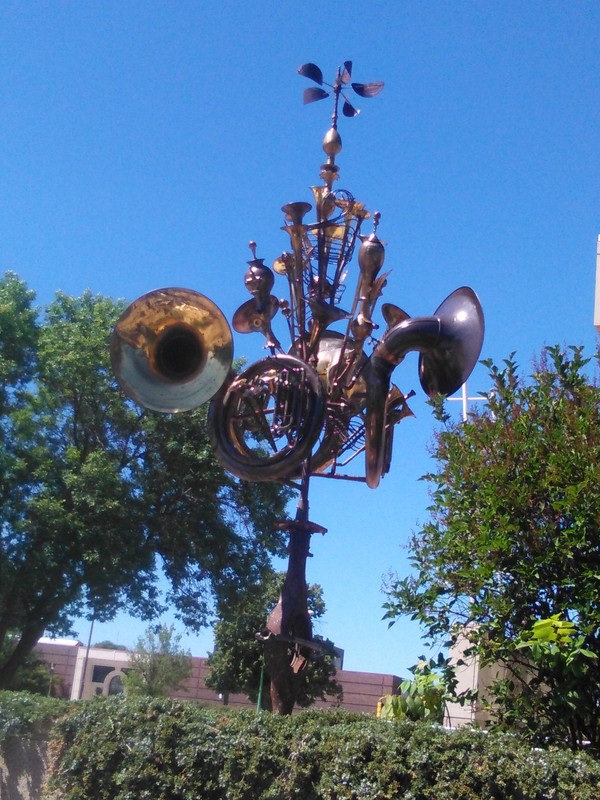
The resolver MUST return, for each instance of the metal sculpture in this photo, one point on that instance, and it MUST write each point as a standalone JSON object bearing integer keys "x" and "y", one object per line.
{"x": 309, "y": 409}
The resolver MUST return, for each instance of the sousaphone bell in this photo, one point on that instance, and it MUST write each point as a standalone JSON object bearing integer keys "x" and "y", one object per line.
{"x": 171, "y": 350}
{"x": 449, "y": 343}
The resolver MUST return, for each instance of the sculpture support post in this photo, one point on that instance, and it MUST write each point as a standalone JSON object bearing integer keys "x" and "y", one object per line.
{"x": 288, "y": 635}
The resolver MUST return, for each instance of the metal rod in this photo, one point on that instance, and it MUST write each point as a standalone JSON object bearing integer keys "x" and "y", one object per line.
{"x": 260, "y": 688}
{"x": 85, "y": 661}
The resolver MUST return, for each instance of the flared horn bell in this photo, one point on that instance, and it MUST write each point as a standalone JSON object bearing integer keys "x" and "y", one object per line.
{"x": 171, "y": 350}
{"x": 444, "y": 367}
{"x": 449, "y": 343}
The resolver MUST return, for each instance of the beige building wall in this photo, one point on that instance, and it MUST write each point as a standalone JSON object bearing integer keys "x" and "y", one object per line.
{"x": 87, "y": 672}
{"x": 468, "y": 678}
{"x": 61, "y": 655}
{"x": 98, "y": 672}
{"x": 472, "y": 676}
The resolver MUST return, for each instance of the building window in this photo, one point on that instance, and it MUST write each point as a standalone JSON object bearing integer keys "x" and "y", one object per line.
{"x": 99, "y": 673}
{"x": 116, "y": 685}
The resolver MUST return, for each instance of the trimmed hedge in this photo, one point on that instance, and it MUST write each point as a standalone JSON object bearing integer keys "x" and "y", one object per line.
{"x": 119, "y": 749}
{"x": 23, "y": 714}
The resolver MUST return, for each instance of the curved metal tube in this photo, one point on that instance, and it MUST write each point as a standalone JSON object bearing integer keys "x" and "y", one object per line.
{"x": 265, "y": 422}
{"x": 449, "y": 343}
{"x": 416, "y": 333}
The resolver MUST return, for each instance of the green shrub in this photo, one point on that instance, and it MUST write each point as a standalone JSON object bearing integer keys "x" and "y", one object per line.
{"x": 426, "y": 694}
{"x": 141, "y": 748}
{"x": 24, "y": 714}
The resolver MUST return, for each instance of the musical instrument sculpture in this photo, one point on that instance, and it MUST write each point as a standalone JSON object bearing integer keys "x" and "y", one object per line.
{"x": 311, "y": 407}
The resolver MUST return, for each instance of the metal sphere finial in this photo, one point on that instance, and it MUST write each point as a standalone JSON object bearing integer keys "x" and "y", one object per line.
{"x": 332, "y": 142}
{"x": 376, "y": 220}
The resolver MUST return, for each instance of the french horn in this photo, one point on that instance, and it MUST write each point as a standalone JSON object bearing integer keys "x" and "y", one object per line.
{"x": 264, "y": 423}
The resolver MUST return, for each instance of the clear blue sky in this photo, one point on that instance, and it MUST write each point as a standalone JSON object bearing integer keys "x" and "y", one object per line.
{"x": 143, "y": 144}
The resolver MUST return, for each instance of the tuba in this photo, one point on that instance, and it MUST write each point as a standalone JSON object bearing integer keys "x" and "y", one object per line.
{"x": 171, "y": 350}
{"x": 449, "y": 344}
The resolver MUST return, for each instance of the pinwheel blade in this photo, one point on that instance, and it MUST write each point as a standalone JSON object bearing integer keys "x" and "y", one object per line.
{"x": 347, "y": 73}
{"x": 311, "y": 71}
{"x": 313, "y": 94}
{"x": 348, "y": 110}
{"x": 368, "y": 89}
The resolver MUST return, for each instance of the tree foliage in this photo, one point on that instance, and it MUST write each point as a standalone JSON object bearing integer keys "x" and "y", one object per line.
{"x": 426, "y": 694}
{"x": 237, "y": 663}
{"x": 99, "y": 498}
{"x": 514, "y": 539}
{"x": 33, "y": 675}
{"x": 106, "y": 644}
{"x": 158, "y": 664}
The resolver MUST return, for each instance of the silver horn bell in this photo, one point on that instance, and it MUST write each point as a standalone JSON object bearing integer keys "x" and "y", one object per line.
{"x": 171, "y": 350}
{"x": 449, "y": 344}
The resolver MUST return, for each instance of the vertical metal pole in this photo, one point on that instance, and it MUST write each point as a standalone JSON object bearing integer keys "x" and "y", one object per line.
{"x": 85, "y": 661}
{"x": 597, "y": 297}
{"x": 260, "y": 688}
{"x": 289, "y": 623}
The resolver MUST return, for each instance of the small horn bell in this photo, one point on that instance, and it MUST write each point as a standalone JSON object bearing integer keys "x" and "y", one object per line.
{"x": 171, "y": 350}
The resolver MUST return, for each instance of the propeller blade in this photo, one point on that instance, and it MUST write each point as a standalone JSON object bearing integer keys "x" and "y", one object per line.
{"x": 313, "y": 94}
{"x": 368, "y": 89}
{"x": 348, "y": 110}
{"x": 312, "y": 72}
{"x": 347, "y": 73}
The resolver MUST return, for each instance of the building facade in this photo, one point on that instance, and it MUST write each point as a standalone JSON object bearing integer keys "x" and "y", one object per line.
{"x": 85, "y": 672}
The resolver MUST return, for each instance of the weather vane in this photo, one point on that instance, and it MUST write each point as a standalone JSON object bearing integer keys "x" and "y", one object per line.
{"x": 311, "y": 407}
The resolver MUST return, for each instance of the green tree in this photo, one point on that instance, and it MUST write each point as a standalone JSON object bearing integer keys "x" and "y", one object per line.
{"x": 99, "y": 498}
{"x": 514, "y": 539}
{"x": 554, "y": 674}
{"x": 33, "y": 675}
{"x": 236, "y": 665}
{"x": 158, "y": 665}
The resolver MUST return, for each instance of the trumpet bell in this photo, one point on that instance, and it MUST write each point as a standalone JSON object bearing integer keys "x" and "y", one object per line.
{"x": 171, "y": 350}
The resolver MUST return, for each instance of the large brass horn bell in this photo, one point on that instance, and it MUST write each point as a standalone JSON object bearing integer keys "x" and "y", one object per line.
{"x": 171, "y": 350}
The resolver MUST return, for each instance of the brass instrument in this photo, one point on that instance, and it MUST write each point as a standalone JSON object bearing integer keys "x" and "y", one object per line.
{"x": 324, "y": 401}
{"x": 449, "y": 343}
{"x": 171, "y": 350}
